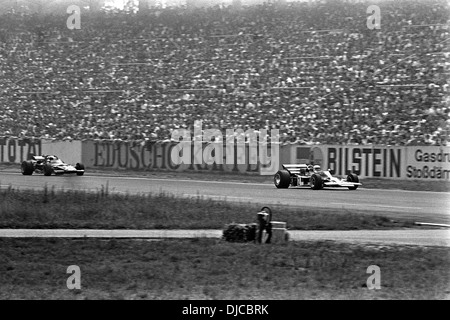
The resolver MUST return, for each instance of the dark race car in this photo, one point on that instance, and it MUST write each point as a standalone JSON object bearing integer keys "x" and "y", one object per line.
{"x": 50, "y": 164}
{"x": 296, "y": 175}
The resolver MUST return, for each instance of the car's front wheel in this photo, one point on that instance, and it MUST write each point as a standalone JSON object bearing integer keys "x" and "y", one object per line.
{"x": 353, "y": 178}
{"x": 282, "y": 179}
{"x": 27, "y": 168}
{"x": 48, "y": 169}
{"x": 316, "y": 182}
{"x": 79, "y": 166}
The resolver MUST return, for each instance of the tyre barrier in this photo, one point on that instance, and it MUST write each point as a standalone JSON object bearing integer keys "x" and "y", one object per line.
{"x": 238, "y": 232}
{"x": 264, "y": 231}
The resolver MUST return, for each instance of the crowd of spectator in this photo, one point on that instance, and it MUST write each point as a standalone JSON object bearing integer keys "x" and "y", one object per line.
{"x": 315, "y": 71}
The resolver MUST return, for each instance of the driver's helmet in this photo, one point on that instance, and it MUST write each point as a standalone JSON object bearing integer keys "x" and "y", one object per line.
{"x": 317, "y": 168}
{"x": 310, "y": 168}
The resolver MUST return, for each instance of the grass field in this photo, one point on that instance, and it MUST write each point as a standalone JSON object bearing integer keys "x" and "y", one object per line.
{"x": 101, "y": 210}
{"x": 214, "y": 269}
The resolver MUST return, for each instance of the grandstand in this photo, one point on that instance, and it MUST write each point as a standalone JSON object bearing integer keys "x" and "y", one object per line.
{"x": 311, "y": 69}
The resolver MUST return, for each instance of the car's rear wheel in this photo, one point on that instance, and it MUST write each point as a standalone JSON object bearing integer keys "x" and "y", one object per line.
{"x": 352, "y": 178}
{"x": 316, "y": 182}
{"x": 282, "y": 179}
{"x": 27, "y": 168}
{"x": 48, "y": 169}
{"x": 79, "y": 166}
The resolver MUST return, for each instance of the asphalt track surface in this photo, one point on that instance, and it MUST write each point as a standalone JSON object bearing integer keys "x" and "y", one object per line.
{"x": 433, "y": 207}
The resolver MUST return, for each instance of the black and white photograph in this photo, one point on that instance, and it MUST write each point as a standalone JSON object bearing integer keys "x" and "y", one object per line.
{"x": 225, "y": 158}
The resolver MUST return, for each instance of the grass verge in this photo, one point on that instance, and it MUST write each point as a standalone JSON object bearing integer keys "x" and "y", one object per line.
{"x": 215, "y": 269}
{"x": 101, "y": 210}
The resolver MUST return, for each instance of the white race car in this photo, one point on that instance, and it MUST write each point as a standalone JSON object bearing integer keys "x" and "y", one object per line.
{"x": 296, "y": 175}
{"x": 49, "y": 165}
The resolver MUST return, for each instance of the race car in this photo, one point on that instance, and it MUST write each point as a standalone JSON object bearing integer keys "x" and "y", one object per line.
{"x": 296, "y": 175}
{"x": 50, "y": 164}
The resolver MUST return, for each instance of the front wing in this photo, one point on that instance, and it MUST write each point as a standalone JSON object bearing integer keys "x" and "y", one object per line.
{"x": 335, "y": 184}
{"x": 57, "y": 170}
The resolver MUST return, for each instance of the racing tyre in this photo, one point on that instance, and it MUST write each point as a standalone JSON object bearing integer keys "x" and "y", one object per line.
{"x": 316, "y": 182}
{"x": 27, "y": 168}
{"x": 282, "y": 179}
{"x": 352, "y": 178}
{"x": 48, "y": 169}
{"x": 79, "y": 166}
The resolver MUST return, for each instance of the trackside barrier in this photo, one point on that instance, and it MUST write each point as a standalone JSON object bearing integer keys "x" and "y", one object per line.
{"x": 69, "y": 151}
{"x": 368, "y": 161}
{"x": 156, "y": 156}
{"x": 427, "y": 163}
{"x": 383, "y": 162}
{"x": 16, "y": 150}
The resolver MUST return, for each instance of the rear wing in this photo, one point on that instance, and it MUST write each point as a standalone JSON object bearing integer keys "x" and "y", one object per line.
{"x": 295, "y": 168}
{"x": 38, "y": 158}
